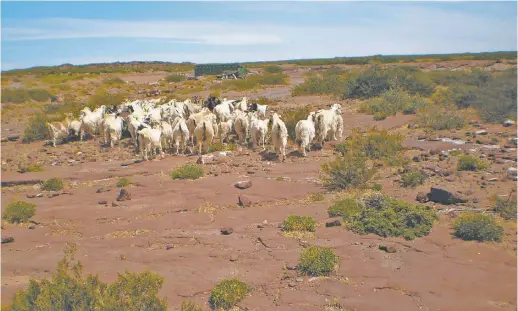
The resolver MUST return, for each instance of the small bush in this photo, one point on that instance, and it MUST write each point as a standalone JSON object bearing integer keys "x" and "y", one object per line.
{"x": 273, "y": 69}
{"x": 19, "y": 211}
{"x": 386, "y": 216}
{"x": 317, "y": 261}
{"x": 412, "y": 179}
{"x": 345, "y": 172}
{"x": 188, "y": 171}
{"x": 506, "y": 208}
{"x": 69, "y": 290}
{"x": 113, "y": 81}
{"x": 470, "y": 162}
{"x": 345, "y": 208}
{"x": 36, "y": 128}
{"x": 299, "y": 223}
{"x": 21, "y": 95}
{"x": 378, "y": 116}
{"x": 53, "y": 184}
{"x": 227, "y": 294}
{"x": 315, "y": 85}
{"x": 175, "y": 78}
{"x": 377, "y": 187}
{"x": 478, "y": 227}
{"x": 31, "y": 168}
{"x": 123, "y": 182}
{"x": 391, "y": 102}
{"x": 316, "y": 197}
{"x": 190, "y": 306}
{"x": 375, "y": 145}
{"x": 438, "y": 118}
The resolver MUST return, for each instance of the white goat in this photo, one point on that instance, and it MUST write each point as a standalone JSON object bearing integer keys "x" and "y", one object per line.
{"x": 327, "y": 124}
{"x": 149, "y": 140}
{"x": 241, "y": 126}
{"x": 59, "y": 130}
{"x": 196, "y": 118}
{"x": 204, "y": 133}
{"x": 180, "y": 134}
{"x": 305, "y": 133}
{"x": 279, "y": 136}
{"x": 224, "y": 110}
{"x": 167, "y": 134}
{"x": 112, "y": 129}
{"x": 258, "y": 130}
{"x": 74, "y": 128}
{"x": 225, "y": 129}
{"x": 91, "y": 121}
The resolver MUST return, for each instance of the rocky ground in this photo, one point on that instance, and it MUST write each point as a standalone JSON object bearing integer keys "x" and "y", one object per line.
{"x": 174, "y": 227}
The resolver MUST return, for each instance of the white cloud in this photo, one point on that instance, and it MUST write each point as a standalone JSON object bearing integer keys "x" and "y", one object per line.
{"x": 411, "y": 29}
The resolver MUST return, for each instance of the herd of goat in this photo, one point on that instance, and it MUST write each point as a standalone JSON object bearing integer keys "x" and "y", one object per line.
{"x": 153, "y": 126}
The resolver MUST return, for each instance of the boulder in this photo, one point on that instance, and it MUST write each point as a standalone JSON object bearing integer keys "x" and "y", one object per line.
{"x": 388, "y": 249}
{"x": 333, "y": 223}
{"x": 243, "y": 184}
{"x": 481, "y": 132}
{"x": 227, "y": 231}
{"x": 508, "y": 123}
{"x": 444, "y": 196}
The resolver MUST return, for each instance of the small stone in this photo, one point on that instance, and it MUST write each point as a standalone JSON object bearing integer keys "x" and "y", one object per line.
{"x": 100, "y": 190}
{"x": 333, "y": 223}
{"x": 114, "y": 204}
{"x": 102, "y": 202}
{"x": 227, "y": 231}
{"x": 422, "y": 197}
{"x": 52, "y": 195}
{"x": 168, "y": 247}
{"x": 299, "y": 279}
{"x": 416, "y": 159}
{"x": 31, "y": 196}
{"x": 291, "y": 267}
{"x": 243, "y": 184}
{"x": 124, "y": 195}
{"x": 31, "y": 227}
{"x": 7, "y": 240}
{"x": 508, "y": 123}
{"x": 233, "y": 257}
{"x": 291, "y": 284}
{"x": 492, "y": 179}
{"x": 244, "y": 201}
{"x": 481, "y": 132}
{"x": 388, "y": 249}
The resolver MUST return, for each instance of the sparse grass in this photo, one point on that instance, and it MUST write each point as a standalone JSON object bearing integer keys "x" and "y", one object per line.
{"x": 319, "y": 85}
{"x": 68, "y": 289}
{"x": 22, "y": 95}
{"x": 316, "y": 197}
{"x": 387, "y": 216}
{"x": 345, "y": 208}
{"x": 477, "y": 227}
{"x": 188, "y": 171}
{"x": 273, "y": 69}
{"x": 190, "y": 306}
{"x": 114, "y": 81}
{"x": 34, "y": 168}
{"x": 377, "y": 187}
{"x": 412, "y": 179}
{"x": 506, "y": 208}
{"x": 19, "y": 212}
{"x": 227, "y": 294}
{"x": 392, "y": 102}
{"x": 470, "y": 162}
{"x": 53, "y": 184}
{"x": 252, "y": 82}
{"x": 123, "y": 182}
{"x": 299, "y": 223}
{"x": 317, "y": 261}
{"x": 218, "y": 146}
{"x": 36, "y": 128}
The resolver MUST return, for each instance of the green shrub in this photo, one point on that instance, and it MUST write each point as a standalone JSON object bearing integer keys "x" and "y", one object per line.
{"x": 113, "y": 81}
{"x": 227, "y": 294}
{"x": 190, "y": 306}
{"x": 371, "y": 82}
{"x": 123, "y": 182}
{"x": 316, "y": 85}
{"x": 102, "y": 97}
{"x": 412, "y": 179}
{"x": 441, "y": 118}
{"x": 391, "y": 102}
{"x": 345, "y": 172}
{"x": 317, "y": 261}
{"x": 175, "y": 78}
{"x": 188, "y": 171}
{"x": 273, "y": 69}
{"x": 19, "y": 211}
{"x": 386, "y": 216}
{"x": 377, "y": 187}
{"x": 36, "y": 128}
{"x": 506, "y": 208}
{"x": 291, "y": 117}
{"x": 470, "y": 162}
{"x": 67, "y": 289}
{"x": 53, "y": 184}
{"x": 20, "y": 95}
{"x": 299, "y": 223}
{"x": 477, "y": 227}
{"x": 345, "y": 208}
{"x": 31, "y": 168}
{"x": 375, "y": 145}
{"x": 316, "y": 197}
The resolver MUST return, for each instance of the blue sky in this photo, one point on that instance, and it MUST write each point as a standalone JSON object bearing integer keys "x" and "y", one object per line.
{"x": 53, "y": 33}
